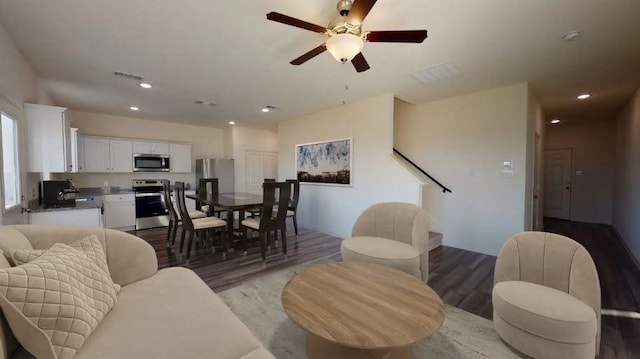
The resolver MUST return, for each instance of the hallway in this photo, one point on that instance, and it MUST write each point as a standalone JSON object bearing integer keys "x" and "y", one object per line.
{"x": 619, "y": 282}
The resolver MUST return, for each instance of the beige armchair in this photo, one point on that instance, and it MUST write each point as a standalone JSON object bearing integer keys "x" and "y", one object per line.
{"x": 393, "y": 234}
{"x": 546, "y": 297}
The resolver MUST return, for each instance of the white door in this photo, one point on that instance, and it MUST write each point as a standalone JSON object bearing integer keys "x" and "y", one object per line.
{"x": 270, "y": 165}
{"x": 121, "y": 156}
{"x": 255, "y": 171}
{"x": 180, "y": 158}
{"x": 557, "y": 199}
{"x": 96, "y": 154}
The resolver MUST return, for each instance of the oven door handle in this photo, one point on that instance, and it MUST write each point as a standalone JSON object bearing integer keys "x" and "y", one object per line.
{"x": 148, "y": 194}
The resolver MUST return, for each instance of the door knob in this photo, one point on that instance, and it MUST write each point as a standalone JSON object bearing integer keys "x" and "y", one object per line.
{"x": 568, "y": 188}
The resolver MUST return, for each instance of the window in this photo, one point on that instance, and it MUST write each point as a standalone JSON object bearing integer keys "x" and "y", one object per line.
{"x": 11, "y": 171}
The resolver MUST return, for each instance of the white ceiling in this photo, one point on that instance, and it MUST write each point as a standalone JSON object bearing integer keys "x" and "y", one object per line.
{"x": 228, "y": 53}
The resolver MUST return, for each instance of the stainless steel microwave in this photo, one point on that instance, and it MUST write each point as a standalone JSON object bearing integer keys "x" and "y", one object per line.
{"x": 143, "y": 162}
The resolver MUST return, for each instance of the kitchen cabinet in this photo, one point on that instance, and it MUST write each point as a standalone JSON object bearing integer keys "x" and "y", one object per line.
{"x": 90, "y": 217}
{"x": 180, "y": 157}
{"x": 77, "y": 151}
{"x": 148, "y": 147}
{"x": 120, "y": 211}
{"x": 121, "y": 156}
{"x": 96, "y": 154}
{"x": 103, "y": 154}
{"x": 48, "y": 133}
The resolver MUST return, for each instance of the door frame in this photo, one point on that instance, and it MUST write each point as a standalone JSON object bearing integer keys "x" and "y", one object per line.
{"x": 11, "y": 108}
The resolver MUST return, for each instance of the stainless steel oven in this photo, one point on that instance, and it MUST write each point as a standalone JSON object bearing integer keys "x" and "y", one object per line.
{"x": 151, "y": 210}
{"x": 143, "y": 162}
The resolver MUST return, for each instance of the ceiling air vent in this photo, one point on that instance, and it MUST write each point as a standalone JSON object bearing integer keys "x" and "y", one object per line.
{"x": 436, "y": 73}
{"x": 204, "y": 103}
{"x": 128, "y": 76}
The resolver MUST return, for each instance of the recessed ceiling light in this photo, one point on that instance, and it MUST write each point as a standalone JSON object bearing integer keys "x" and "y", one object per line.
{"x": 584, "y": 96}
{"x": 555, "y": 120}
{"x": 134, "y": 108}
{"x": 571, "y": 35}
{"x": 265, "y": 110}
{"x": 232, "y": 122}
{"x": 145, "y": 85}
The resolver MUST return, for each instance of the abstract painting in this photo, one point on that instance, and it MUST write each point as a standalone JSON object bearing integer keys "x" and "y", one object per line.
{"x": 327, "y": 162}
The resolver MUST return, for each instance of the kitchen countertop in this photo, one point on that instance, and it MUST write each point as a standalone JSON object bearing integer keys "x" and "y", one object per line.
{"x": 98, "y": 191}
{"x": 36, "y": 208}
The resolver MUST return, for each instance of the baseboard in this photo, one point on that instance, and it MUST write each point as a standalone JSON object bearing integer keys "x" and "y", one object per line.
{"x": 626, "y": 248}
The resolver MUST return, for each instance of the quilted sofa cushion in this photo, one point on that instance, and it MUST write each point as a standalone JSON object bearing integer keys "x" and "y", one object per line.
{"x": 90, "y": 245}
{"x": 54, "y": 302}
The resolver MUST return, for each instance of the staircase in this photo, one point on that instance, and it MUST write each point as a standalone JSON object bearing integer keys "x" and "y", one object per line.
{"x": 437, "y": 234}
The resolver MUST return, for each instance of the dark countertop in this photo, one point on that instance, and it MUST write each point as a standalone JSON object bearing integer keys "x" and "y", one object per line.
{"x": 35, "y": 208}
{"x": 98, "y": 191}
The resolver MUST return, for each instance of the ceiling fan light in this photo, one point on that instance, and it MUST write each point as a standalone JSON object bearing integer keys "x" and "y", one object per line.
{"x": 344, "y": 47}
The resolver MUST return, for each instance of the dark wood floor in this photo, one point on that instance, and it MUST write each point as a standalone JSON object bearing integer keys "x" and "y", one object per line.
{"x": 462, "y": 278}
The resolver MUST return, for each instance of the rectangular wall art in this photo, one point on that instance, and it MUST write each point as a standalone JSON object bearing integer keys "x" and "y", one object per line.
{"x": 327, "y": 162}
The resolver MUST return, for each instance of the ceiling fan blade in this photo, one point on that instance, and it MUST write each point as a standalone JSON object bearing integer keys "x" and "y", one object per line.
{"x": 309, "y": 55}
{"x": 288, "y": 20}
{"x": 416, "y": 36}
{"x": 360, "y": 63}
{"x": 359, "y": 11}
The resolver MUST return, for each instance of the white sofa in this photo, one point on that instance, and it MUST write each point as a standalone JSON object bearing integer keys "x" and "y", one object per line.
{"x": 169, "y": 313}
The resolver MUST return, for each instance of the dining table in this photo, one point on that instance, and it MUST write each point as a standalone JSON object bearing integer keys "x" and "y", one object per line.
{"x": 230, "y": 202}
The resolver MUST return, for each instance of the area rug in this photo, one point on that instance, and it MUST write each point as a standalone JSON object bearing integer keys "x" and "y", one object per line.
{"x": 257, "y": 304}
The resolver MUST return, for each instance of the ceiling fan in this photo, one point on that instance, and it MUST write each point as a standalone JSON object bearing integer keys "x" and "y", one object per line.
{"x": 346, "y": 38}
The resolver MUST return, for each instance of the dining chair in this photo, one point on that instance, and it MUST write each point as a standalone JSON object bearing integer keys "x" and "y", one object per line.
{"x": 270, "y": 220}
{"x": 196, "y": 227}
{"x": 293, "y": 203}
{"x": 174, "y": 216}
{"x": 210, "y": 186}
{"x": 254, "y": 212}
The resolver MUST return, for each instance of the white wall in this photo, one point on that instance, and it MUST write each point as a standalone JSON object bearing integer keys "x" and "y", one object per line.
{"x": 463, "y": 141}
{"x": 18, "y": 84}
{"x": 626, "y": 208}
{"x": 244, "y": 139}
{"x": 593, "y": 145}
{"x": 377, "y": 177}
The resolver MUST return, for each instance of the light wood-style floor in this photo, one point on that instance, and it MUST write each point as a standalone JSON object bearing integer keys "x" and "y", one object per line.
{"x": 462, "y": 278}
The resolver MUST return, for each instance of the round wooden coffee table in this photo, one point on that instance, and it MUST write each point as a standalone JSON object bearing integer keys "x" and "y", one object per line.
{"x": 361, "y": 310}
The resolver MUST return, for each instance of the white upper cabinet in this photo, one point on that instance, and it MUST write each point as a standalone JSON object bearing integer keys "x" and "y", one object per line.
{"x": 148, "y": 147}
{"x": 106, "y": 155}
{"x": 180, "y": 157}
{"x": 96, "y": 154}
{"x": 121, "y": 156}
{"x": 48, "y": 138}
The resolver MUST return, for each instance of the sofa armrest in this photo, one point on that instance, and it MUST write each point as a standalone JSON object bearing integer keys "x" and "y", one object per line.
{"x": 130, "y": 258}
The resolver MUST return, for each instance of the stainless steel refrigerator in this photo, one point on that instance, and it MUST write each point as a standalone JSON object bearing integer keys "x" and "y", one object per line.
{"x": 223, "y": 170}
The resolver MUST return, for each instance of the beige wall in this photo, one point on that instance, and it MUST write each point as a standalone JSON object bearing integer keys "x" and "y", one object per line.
{"x": 18, "y": 84}
{"x": 626, "y": 208}
{"x": 593, "y": 145}
{"x": 463, "y": 141}
{"x": 207, "y": 142}
{"x": 243, "y": 139}
{"x": 377, "y": 177}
